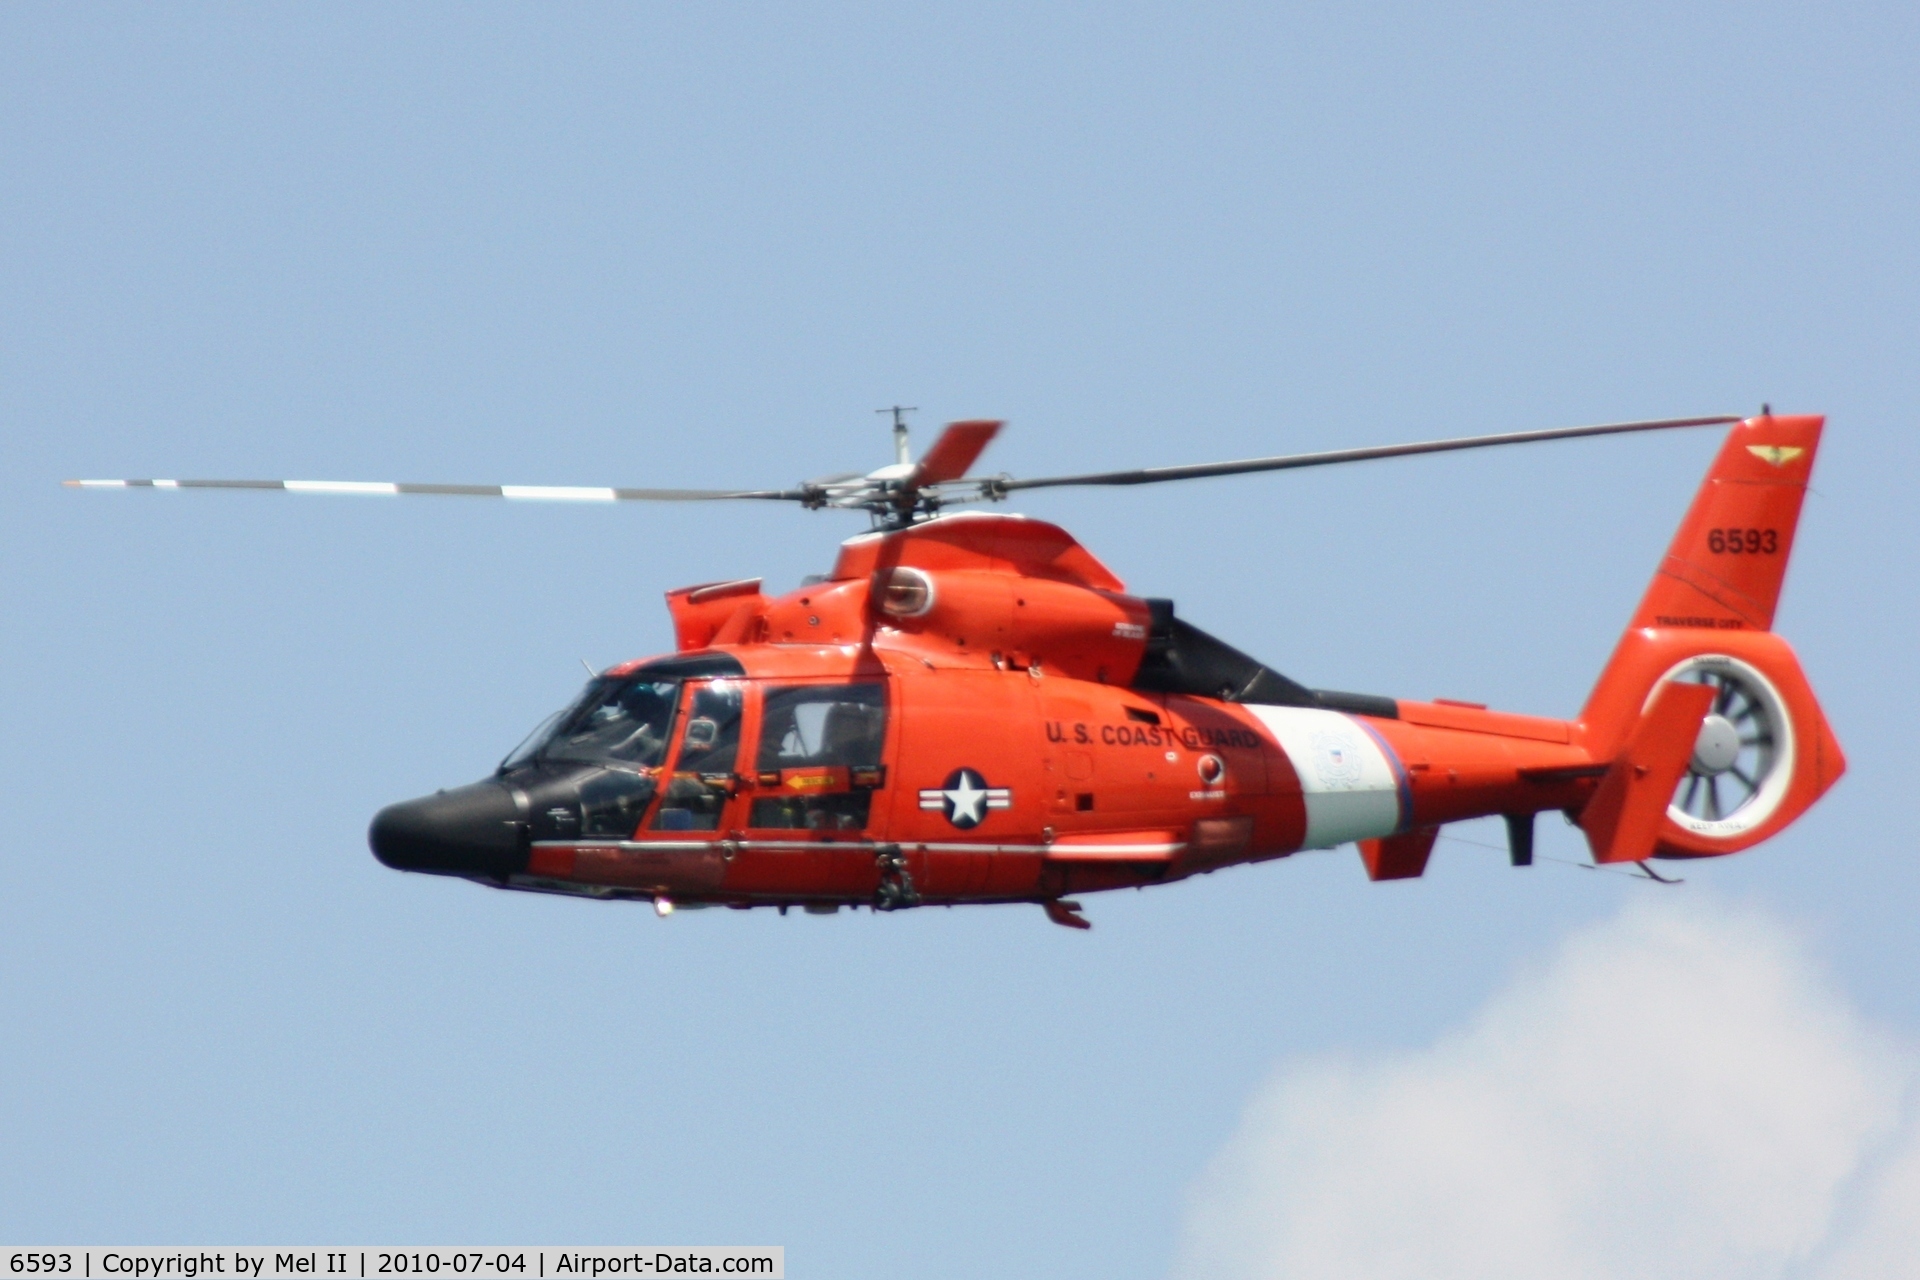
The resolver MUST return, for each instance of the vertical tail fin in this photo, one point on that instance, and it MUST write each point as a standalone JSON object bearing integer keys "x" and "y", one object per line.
{"x": 1764, "y": 751}
{"x": 1729, "y": 557}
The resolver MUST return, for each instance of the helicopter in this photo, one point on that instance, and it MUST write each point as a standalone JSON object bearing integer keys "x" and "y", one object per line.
{"x": 970, "y": 708}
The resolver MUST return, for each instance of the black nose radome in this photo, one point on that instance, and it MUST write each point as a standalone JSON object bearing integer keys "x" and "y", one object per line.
{"x": 468, "y": 831}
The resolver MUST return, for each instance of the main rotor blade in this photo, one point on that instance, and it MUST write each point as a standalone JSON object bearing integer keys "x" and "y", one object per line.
{"x": 1154, "y": 475}
{"x": 517, "y": 492}
{"x": 953, "y": 453}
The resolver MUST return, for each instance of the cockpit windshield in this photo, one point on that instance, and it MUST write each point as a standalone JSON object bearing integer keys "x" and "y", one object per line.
{"x": 622, "y": 720}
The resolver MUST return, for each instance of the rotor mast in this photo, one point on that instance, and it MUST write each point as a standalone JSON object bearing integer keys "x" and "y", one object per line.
{"x": 899, "y": 506}
{"x": 901, "y": 455}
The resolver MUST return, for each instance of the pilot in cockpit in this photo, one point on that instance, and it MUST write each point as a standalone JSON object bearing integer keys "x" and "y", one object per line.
{"x": 629, "y": 725}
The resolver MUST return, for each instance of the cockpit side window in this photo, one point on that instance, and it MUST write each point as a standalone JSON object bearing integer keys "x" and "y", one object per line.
{"x": 819, "y": 756}
{"x": 711, "y": 742}
{"x": 703, "y": 772}
{"x": 823, "y": 724}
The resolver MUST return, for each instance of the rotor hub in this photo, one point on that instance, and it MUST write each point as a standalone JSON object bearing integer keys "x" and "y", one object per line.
{"x": 1717, "y": 747}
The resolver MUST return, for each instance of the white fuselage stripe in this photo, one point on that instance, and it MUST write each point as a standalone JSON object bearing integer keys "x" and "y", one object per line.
{"x": 1349, "y": 786}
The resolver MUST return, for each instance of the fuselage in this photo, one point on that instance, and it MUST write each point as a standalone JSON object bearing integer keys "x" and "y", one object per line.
{"x": 1010, "y": 784}
{"x": 971, "y": 710}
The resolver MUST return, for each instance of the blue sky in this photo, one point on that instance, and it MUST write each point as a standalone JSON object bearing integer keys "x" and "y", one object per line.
{"x": 614, "y": 245}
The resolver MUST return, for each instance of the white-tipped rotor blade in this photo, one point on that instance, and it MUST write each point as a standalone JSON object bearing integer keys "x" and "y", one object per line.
{"x": 512, "y": 492}
{"x": 339, "y": 486}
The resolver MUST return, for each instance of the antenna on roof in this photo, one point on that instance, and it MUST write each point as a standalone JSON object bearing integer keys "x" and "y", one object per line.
{"x": 900, "y": 412}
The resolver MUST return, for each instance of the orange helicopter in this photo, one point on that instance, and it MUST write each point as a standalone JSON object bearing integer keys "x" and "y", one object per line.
{"x": 970, "y": 708}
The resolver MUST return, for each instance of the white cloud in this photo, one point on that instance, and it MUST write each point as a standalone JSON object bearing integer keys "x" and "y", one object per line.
{"x": 1678, "y": 1093}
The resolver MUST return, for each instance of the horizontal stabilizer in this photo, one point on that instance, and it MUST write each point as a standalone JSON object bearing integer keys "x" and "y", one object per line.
{"x": 1623, "y": 819}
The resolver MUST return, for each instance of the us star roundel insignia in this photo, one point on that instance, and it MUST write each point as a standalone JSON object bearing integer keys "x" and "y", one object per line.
{"x": 965, "y": 798}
